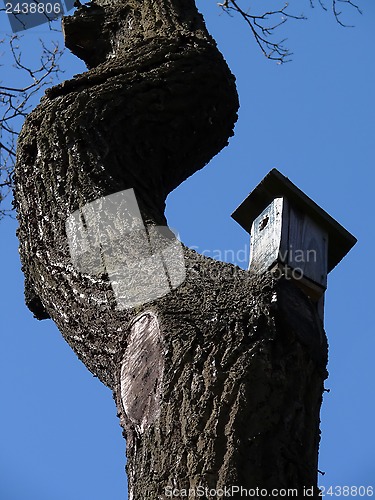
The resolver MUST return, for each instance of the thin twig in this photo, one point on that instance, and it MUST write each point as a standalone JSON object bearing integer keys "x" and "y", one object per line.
{"x": 262, "y": 26}
{"x": 16, "y": 103}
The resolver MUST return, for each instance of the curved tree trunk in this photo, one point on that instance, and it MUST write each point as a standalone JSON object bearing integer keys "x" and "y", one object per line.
{"x": 219, "y": 382}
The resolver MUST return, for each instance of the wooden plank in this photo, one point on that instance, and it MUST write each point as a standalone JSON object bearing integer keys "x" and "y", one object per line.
{"x": 307, "y": 247}
{"x": 266, "y": 235}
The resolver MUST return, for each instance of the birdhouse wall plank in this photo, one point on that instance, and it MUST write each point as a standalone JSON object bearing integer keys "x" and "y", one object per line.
{"x": 307, "y": 247}
{"x": 267, "y": 232}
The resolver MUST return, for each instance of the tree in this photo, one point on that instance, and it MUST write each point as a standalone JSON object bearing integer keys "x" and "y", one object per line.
{"x": 17, "y": 101}
{"x": 156, "y": 105}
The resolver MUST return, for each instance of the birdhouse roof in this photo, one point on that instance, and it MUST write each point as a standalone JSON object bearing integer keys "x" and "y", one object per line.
{"x": 276, "y": 185}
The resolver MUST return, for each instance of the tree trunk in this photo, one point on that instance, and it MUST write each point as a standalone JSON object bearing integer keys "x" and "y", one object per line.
{"x": 218, "y": 383}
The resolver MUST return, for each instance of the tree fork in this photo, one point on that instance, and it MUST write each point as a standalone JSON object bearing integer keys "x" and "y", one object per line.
{"x": 220, "y": 382}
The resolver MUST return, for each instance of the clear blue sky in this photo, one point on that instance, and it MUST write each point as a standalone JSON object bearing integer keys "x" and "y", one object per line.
{"x": 313, "y": 119}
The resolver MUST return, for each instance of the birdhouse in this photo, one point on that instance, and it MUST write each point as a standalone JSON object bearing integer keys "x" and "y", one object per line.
{"x": 291, "y": 235}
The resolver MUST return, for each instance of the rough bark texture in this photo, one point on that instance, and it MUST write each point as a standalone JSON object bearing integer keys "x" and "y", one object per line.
{"x": 227, "y": 383}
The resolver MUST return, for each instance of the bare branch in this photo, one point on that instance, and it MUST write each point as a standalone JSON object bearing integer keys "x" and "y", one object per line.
{"x": 16, "y": 103}
{"x": 338, "y": 13}
{"x": 11, "y": 152}
{"x": 335, "y": 9}
{"x": 264, "y": 25}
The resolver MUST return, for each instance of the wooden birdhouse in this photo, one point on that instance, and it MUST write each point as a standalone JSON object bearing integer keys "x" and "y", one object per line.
{"x": 291, "y": 235}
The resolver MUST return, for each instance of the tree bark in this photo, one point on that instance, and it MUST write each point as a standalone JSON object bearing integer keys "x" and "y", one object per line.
{"x": 218, "y": 383}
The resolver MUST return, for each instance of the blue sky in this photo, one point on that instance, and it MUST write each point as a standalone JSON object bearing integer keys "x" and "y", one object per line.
{"x": 314, "y": 120}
